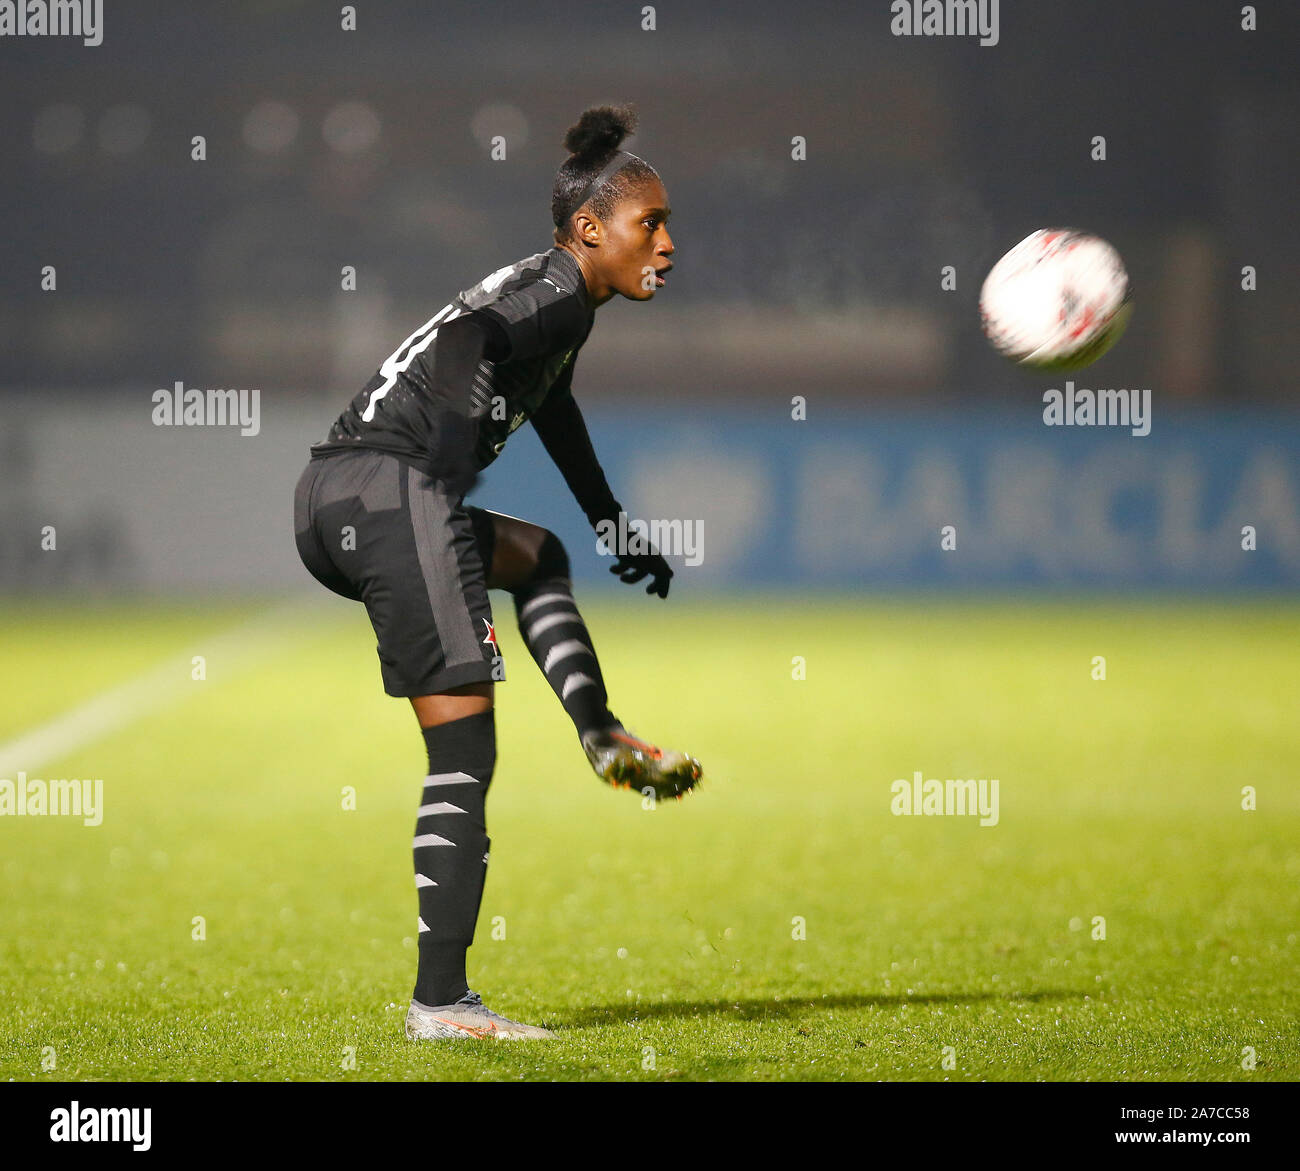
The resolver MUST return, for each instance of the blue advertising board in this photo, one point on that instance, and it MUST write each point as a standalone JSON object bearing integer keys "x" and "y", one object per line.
{"x": 958, "y": 498}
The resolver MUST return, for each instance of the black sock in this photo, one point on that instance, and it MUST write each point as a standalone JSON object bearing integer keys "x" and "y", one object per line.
{"x": 557, "y": 638}
{"x": 451, "y": 852}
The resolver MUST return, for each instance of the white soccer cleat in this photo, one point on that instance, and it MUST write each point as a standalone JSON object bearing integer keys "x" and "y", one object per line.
{"x": 467, "y": 1019}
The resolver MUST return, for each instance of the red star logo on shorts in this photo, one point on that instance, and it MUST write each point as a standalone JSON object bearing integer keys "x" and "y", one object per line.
{"x": 491, "y": 639}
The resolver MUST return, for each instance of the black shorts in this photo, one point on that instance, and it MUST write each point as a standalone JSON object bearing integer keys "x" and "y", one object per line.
{"x": 378, "y": 531}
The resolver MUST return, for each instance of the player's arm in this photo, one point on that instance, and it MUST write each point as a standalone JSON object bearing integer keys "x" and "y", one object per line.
{"x": 459, "y": 347}
{"x": 533, "y": 322}
{"x": 563, "y": 432}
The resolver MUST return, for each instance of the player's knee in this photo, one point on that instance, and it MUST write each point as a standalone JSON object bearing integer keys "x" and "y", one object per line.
{"x": 552, "y": 560}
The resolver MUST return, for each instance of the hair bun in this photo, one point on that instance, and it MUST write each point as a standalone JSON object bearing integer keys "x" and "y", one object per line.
{"x": 600, "y": 131}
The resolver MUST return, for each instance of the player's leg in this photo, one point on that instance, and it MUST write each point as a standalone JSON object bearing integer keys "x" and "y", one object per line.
{"x": 450, "y": 845}
{"x": 531, "y": 563}
{"x": 313, "y": 549}
{"x": 451, "y": 855}
{"x": 408, "y": 551}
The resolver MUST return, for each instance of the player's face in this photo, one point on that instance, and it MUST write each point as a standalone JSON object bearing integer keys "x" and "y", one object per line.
{"x": 637, "y": 248}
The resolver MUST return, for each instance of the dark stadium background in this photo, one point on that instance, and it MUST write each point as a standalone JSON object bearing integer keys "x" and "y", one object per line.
{"x": 819, "y": 278}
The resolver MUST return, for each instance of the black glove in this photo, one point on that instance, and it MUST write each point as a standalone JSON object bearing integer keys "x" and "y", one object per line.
{"x": 632, "y": 567}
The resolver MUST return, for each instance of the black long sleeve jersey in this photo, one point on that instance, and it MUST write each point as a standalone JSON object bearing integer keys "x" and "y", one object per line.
{"x": 501, "y": 353}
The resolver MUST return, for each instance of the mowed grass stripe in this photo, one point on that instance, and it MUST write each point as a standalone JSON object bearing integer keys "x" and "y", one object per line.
{"x": 60, "y": 653}
{"x": 224, "y": 653}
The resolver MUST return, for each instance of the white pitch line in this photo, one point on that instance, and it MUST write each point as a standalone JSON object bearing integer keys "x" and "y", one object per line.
{"x": 157, "y": 688}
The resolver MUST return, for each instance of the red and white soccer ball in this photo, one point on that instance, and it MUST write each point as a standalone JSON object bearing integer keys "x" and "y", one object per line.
{"x": 1057, "y": 301}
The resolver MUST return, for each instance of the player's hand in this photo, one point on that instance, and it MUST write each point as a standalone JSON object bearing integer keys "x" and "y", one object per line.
{"x": 632, "y": 567}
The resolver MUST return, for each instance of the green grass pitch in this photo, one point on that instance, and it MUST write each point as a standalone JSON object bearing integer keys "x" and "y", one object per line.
{"x": 661, "y": 943}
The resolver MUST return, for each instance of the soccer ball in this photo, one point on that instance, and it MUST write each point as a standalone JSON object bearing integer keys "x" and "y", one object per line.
{"x": 1057, "y": 301}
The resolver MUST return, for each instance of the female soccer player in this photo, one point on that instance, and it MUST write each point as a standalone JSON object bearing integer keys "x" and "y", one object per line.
{"x": 379, "y": 517}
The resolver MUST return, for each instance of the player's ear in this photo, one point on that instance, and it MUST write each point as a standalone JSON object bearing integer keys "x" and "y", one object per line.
{"x": 587, "y": 228}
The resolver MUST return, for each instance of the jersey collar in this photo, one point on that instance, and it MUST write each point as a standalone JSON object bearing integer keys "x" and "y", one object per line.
{"x": 562, "y": 259}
